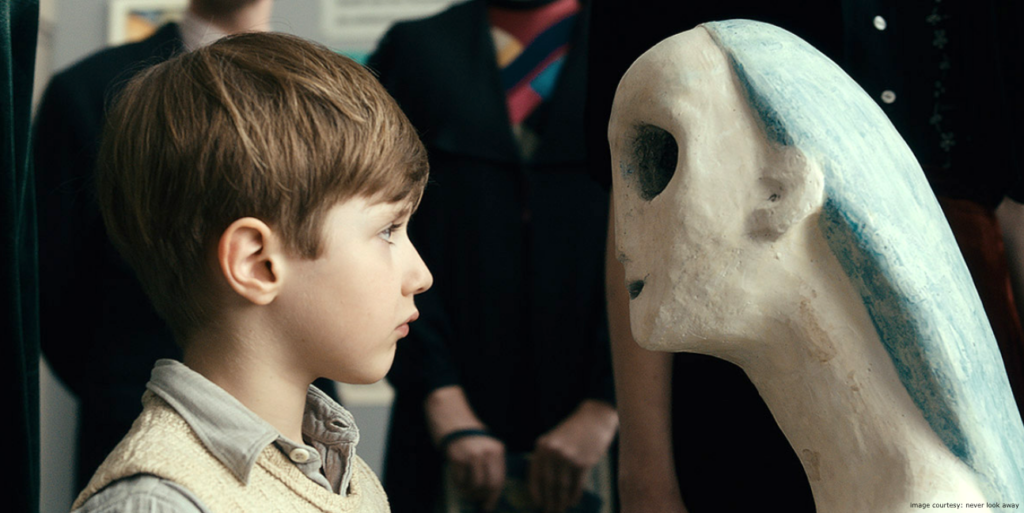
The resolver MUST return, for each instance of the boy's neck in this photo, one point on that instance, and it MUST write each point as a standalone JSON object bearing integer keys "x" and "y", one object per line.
{"x": 253, "y": 17}
{"x": 251, "y": 373}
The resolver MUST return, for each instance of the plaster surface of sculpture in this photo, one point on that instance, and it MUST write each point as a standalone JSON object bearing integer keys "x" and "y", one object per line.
{"x": 767, "y": 213}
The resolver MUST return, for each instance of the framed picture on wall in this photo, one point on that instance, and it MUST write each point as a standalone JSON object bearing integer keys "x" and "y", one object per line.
{"x": 135, "y": 20}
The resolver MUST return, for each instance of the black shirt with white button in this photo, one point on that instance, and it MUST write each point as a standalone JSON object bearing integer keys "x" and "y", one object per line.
{"x": 948, "y": 75}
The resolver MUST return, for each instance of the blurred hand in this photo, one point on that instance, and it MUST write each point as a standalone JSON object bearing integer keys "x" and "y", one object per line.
{"x": 478, "y": 468}
{"x": 477, "y": 461}
{"x": 564, "y": 456}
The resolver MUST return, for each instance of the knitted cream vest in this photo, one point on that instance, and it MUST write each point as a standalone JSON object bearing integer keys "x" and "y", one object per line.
{"x": 162, "y": 444}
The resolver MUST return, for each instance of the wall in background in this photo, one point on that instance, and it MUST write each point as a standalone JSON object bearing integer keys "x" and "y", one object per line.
{"x": 350, "y": 26}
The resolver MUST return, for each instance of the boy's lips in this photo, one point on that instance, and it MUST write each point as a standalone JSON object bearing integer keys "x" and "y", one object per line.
{"x": 403, "y": 329}
{"x": 415, "y": 315}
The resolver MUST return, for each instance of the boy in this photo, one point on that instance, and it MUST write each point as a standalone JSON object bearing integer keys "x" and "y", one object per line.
{"x": 259, "y": 187}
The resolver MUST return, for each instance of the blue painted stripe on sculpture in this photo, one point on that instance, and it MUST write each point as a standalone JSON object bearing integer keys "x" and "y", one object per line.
{"x": 888, "y": 232}
{"x": 894, "y": 326}
{"x": 773, "y": 127}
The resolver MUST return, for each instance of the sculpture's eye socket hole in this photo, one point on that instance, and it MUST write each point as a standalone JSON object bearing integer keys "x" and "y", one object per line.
{"x": 655, "y": 154}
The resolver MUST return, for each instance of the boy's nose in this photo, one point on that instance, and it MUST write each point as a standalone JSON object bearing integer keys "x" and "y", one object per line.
{"x": 418, "y": 279}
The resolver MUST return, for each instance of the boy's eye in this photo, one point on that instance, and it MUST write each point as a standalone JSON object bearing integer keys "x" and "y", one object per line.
{"x": 389, "y": 231}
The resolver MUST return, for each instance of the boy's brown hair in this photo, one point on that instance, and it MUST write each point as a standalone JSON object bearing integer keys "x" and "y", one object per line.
{"x": 263, "y": 125}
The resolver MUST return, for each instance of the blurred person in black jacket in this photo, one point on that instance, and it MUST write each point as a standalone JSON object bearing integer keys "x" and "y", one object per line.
{"x": 510, "y": 356}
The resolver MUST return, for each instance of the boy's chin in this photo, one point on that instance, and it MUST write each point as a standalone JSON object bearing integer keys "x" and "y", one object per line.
{"x": 363, "y": 380}
{"x": 369, "y": 374}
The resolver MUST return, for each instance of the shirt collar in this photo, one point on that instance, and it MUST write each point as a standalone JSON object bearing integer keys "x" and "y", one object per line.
{"x": 236, "y": 436}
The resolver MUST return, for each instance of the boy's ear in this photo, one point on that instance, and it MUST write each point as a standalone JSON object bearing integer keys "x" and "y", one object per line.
{"x": 251, "y": 258}
{"x": 790, "y": 188}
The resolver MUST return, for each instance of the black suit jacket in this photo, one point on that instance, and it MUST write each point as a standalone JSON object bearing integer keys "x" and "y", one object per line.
{"x": 516, "y": 314}
{"x": 98, "y": 330}
{"x": 955, "y": 69}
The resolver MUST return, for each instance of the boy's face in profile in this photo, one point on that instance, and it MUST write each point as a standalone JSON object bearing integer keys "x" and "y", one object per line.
{"x": 349, "y": 307}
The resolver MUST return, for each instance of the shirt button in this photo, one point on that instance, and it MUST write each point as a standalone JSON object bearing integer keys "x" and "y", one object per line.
{"x": 888, "y": 96}
{"x": 880, "y": 23}
{"x": 299, "y": 455}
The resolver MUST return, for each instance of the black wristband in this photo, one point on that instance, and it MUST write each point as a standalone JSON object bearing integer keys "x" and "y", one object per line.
{"x": 447, "y": 440}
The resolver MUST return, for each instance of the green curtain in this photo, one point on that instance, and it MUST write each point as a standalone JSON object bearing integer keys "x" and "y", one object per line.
{"x": 19, "y": 325}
